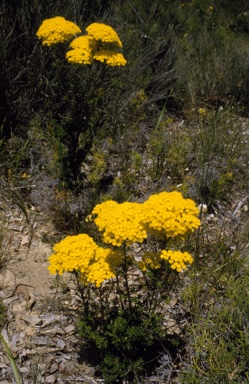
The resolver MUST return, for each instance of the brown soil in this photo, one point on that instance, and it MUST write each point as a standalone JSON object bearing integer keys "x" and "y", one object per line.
{"x": 40, "y": 320}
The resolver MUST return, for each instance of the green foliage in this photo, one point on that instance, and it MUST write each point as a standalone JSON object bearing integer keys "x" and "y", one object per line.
{"x": 169, "y": 151}
{"x": 217, "y": 145}
{"x": 217, "y": 298}
{"x": 125, "y": 343}
{"x": 220, "y": 337}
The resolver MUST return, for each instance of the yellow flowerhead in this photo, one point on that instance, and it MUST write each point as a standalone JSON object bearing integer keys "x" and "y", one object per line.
{"x": 171, "y": 214}
{"x": 56, "y": 30}
{"x": 177, "y": 260}
{"x": 120, "y": 223}
{"x": 110, "y": 57}
{"x": 82, "y": 52}
{"x": 202, "y": 111}
{"x": 104, "y": 33}
{"x": 81, "y": 254}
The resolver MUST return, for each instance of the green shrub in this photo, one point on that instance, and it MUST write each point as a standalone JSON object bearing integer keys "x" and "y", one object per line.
{"x": 123, "y": 317}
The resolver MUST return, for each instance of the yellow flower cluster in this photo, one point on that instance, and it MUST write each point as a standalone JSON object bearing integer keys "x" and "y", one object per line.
{"x": 165, "y": 212}
{"x": 110, "y": 57}
{"x": 104, "y": 33}
{"x": 126, "y": 223}
{"x": 57, "y": 30}
{"x": 177, "y": 260}
{"x": 85, "y": 49}
{"x": 82, "y": 50}
{"x": 170, "y": 213}
{"x": 92, "y": 46}
{"x": 80, "y": 253}
{"x": 120, "y": 222}
{"x": 103, "y": 267}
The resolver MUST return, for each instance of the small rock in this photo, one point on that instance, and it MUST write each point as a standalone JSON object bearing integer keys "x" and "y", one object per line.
{"x": 31, "y": 319}
{"x": 10, "y": 300}
{"x": 60, "y": 381}
{"x": 15, "y": 339}
{"x": 69, "y": 366}
{"x": 55, "y": 330}
{"x": 62, "y": 366}
{"x": 53, "y": 368}
{"x": 25, "y": 240}
{"x": 69, "y": 328}
{"x": 31, "y": 351}
{"x": 23, "y": 353}
{"x": 24, "y": 370}
{"x": 61, "y": 344}
{"x": 50, "y": 379}
{"x": 67, "y": 357}
{"x": 48, "y": 318}
{"x": 40, "y": 340}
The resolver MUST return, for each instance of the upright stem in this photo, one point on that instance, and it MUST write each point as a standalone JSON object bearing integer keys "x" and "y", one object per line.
{"x": 150, "y": 291}
{"x": 125, "y": 270}
{"x": 119, "y": 290}
{"x": 82, "y": 295}
{"x": 101, "y": 304}
{"x": 14, "y": 367}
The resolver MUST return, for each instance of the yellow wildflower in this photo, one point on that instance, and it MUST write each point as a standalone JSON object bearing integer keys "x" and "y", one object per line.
{"x": 80, "y": 253}
{"x": 82, "y": 52}
{"x": 56, "y": 30}
{"x": 177, "y": 260}
{"x": 104, "y": 33}
{"x": 100, "y": 270}
{"x": 166, "y": 212}
{"x": 97, "y": 45}
{"x": 120, "y": 223}
{"x": 110, "y": 57}
{"x": 202, "y": 111}
{"x": 171, "y": 214}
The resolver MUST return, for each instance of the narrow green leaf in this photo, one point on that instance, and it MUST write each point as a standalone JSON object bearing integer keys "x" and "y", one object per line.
{"x": 17, "y": 375}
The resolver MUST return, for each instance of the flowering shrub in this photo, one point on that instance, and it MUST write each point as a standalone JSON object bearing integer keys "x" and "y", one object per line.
{"x": 99, "y": 44}
{"x": 124, "y": 327}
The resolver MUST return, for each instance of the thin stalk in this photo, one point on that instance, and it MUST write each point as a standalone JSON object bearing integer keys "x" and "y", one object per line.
{"x": 81, "y": 290}
{"x": 102, "y": 311}
{"x": 15, "y": 369}
{"x": 119, "y": 290}
{"x": 151, "y": 289}
{"x": 125, "y": 270}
